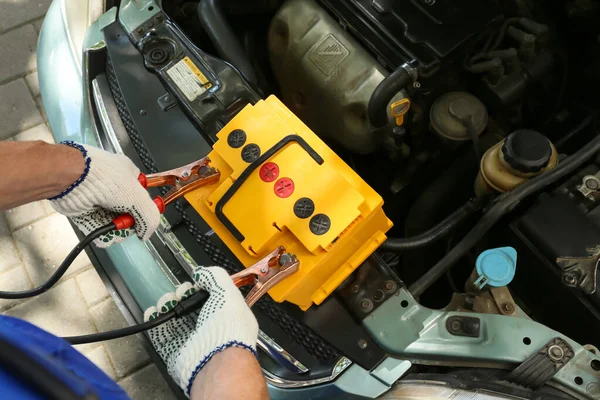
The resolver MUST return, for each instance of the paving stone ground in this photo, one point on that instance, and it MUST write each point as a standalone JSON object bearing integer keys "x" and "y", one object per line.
{"x": 34, "y": 239}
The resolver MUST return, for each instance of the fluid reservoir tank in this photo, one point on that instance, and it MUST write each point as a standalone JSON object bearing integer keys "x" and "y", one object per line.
{"x": 326, "y": 77}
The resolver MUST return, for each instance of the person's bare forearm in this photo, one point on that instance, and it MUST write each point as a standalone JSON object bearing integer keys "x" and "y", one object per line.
{"x": 230, "y": 375}
{"x": 37, "y": 170}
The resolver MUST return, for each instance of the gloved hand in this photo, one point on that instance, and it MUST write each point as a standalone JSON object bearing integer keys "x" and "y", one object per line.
{"x": 187, "y": 344}
{"x": 107, "y": 188}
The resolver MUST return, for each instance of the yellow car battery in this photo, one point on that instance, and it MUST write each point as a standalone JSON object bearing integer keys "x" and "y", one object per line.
{"x": 281, "y": 185}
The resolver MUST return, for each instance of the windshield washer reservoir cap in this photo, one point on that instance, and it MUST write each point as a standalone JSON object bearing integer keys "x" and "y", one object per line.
{"x": 496, "y": 267}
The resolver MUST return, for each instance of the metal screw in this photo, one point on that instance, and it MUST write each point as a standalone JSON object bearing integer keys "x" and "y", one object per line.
{"x": 263, "y": 270}
{"x": 416, "y": 85}
{"x": 355, "y": 288}
{"x": 167, "y": 98}
{"x": 456, "y": 326}
{"x": 362, "y": 343}
{"x": 390, "y": 286}
{"x": 570, "y": 279}
{"x": 142, "y": 112}
{"x": 556, "y": 353}
{"x": 159, "y": 17}
{"x": 140, "y": 30}
{"x": 508, "y": 308}
{"x": 366, "y": 305}
{"x": 592, "y": 184}
{"x": 378, "y": 295}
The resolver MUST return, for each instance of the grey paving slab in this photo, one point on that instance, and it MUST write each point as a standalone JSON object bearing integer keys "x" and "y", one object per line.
{"x": 33, "y": 83}
{"x": 37, "y": 25}
{"x": 19, "y": 217}
{"x": 18, "y": 51}
{"x": 126, "y": 354}
{"x": 61, "y": 311}
{"x": 16, "y": 280}
{"x": 40, "y": 105}
{"x": 18, "y": 111}
{"x": 44, "y": 245}
{"x": 17, "y": 12}
{"x": 40, "y": 132}
{"x": 9, "y": 255}
{"x": 91, "y": 286}
{"x": 3, "y": 227}
{"x": 99, "y": 357}
{"x": 147, "y": 384}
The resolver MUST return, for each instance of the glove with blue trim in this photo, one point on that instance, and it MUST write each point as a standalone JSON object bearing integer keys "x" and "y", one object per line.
{"x": 107, "y": 188}
{"x": 187, "y": 344}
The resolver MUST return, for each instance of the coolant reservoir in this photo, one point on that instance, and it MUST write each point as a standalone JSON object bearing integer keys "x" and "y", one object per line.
{"x": 523, "y": 155}
{"x": 326, "y": 77}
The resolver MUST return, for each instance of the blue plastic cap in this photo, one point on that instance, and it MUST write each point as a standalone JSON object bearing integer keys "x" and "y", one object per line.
{"x": 496, "y": 267}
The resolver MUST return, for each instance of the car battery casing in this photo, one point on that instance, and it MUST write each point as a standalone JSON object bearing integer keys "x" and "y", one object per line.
{"x": 281, "y": 185}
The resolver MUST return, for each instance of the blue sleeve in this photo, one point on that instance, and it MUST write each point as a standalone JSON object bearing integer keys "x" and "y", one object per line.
{"x": 59, "y": 358}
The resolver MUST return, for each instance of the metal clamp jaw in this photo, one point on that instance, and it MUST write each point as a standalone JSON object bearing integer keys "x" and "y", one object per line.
{"x": 266, "y": 273}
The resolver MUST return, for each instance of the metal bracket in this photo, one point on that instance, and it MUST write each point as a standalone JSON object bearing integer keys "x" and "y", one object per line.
{"x": 581, "y": 271}
{"x": 590, "y": 187}
{"x": 504, "y": 300}
{"x": 543, "y": 365}
{"x": 167, "y": 101}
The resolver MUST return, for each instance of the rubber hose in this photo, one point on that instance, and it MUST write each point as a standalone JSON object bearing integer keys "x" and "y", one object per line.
{"x": 384, "y": 93}
{"x": 432, "y": 235}
{"x": 575, "y": 131}
{"x": 502, "y": 205}
{"x": 223, "y": 38}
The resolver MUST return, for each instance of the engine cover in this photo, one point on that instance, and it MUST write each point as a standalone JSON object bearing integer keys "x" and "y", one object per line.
{"x": 424, "y": 30}
{"x": 281, "y": 185}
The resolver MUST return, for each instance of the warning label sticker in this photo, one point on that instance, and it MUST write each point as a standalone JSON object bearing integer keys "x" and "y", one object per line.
{"x": 189, "y": 79}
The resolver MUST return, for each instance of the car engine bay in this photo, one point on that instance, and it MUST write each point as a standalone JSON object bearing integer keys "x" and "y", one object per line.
{"x": 444, "y": 148}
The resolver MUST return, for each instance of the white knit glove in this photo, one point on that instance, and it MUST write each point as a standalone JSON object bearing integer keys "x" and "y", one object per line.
{"x": 107, "y": 188}
{"x": 187, "y": 344}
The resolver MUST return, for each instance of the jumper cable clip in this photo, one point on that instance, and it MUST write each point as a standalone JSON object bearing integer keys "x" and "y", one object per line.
{"x": 266, "y": 273}
{"x": 183, "y": 180}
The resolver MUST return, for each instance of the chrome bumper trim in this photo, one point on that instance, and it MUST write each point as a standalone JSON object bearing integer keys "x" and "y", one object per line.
{"x": 276, "y": 381}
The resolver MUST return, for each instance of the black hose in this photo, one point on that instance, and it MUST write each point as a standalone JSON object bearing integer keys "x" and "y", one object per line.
{"x": 223, "y": 38}
{"x": 384, "y": 93}
{"x": 432, "y": 235}
{"x": 185, "y": 307}
{"x": 119, "y": 333}
{"x": 503, "y": 204}
{"x": 62, "y": 268}
{"x": 575, "y": 131}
